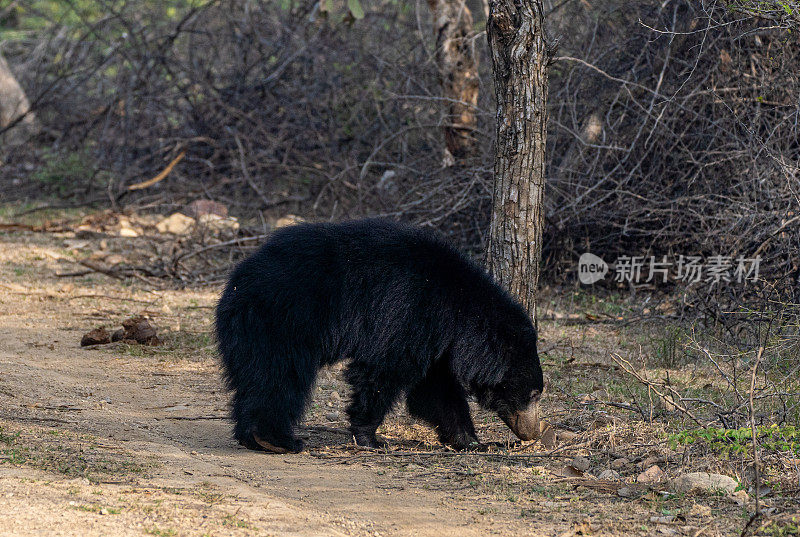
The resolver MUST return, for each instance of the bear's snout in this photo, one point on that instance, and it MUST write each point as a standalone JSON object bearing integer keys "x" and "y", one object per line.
{"x": 524, "y": 424}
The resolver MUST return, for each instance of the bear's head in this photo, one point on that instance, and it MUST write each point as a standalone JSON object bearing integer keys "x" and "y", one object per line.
{"x": 516, "y": 393}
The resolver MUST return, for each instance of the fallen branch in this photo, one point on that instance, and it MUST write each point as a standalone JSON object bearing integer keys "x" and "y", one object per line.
{"x": 161, "y": 176}
{"x": 102, "y": 270}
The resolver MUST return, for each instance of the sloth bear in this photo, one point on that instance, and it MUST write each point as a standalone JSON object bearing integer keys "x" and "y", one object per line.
{"x": 407, "y": 311}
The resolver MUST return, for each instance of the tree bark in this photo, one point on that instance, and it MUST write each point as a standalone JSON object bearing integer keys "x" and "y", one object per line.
{"x": 519, "y": 58}
{"x": 458, "y": 72}
{"x": 17, "y": 122}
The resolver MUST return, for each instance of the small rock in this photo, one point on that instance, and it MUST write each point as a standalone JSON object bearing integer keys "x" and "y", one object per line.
{"x": 128, "y": 232}
{"x": 700, "y": 510}
{"x": 618, "y": 464}
{"x": 569, "y": 471}
{"x": 288, "y": 220}
{"x": 609, "y": 474}
{"x": 114, "y": 259}
{"x": 567, "y": 436}
{"x": 581, "y": 464}
{"x": 704, "y": 481}
{"x": 75, "y": 244}
{"x": 739, "y": 497}
{"x": 335, "y": 396}
{"x": 654, "y": 474}
{"x": 666, "y": 530}
{"x": 98, "y": 336}
{"x": 176, "y": 224}
{"x": 625, "y": 492}
{"x": 332, "y": 416}
{"x": 218, "y": 223}
{"x": 103, "y": 511}
{"x": 548, "y": 435}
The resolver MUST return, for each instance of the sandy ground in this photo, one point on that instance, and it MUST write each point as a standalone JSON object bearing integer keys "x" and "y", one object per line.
{"x": 127, "y": 440}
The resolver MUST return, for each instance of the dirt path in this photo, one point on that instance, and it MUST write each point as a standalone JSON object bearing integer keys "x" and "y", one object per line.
{"x": 173, "y": 413}
{"x": 126, "y": 440}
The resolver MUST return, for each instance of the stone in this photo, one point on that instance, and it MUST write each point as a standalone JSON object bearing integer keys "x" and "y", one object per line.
{"x": 625, "y": 492}
{"x": 654, "y": 474}
{"x": 176, "y": 224}
{"x": 704, "y": 482}
{"x": 288, "y": 220}
{"x": 128, "y": 232}
{"x": 609, "y": 474}
{"x": 618, "y": 464}
{"x": 580, "y": 464}
{"x": 567, "y": 436}
{"x": 569, "y": 471}
{"x": 739, "y": 497}
{"x": 218, "y": 223}
{"x": 548, "y": 435}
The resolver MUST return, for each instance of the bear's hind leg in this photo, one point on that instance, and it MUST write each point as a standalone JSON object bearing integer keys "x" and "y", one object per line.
{"x": 440, "y": 400}
{"x": 373, "y": 397}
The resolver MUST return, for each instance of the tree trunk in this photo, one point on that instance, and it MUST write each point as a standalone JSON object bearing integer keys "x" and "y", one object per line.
{"x": 17, "y": 122}
{"x": 458, "y": 72}
{"x": 519, "y": 57}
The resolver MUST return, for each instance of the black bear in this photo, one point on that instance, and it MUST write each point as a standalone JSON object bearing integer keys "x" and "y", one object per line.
{"x": 411, "y": 314}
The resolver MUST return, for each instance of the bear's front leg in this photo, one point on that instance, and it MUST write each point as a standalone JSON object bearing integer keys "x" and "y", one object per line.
{"x": 440, "y": 400}
{"x": 374, "y": 394}
{"x": 266, "y": 426}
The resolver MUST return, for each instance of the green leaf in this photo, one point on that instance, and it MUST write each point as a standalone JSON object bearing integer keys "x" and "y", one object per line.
{"x": 355, "y": 9}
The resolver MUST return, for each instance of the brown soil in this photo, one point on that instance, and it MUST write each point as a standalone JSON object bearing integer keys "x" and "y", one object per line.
{"x": 130, "y": 440}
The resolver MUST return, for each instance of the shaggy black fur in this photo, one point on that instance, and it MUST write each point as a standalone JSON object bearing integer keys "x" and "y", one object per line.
{"x": 408, "y": 310}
